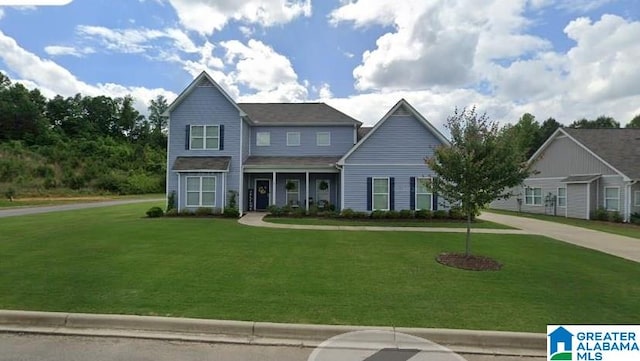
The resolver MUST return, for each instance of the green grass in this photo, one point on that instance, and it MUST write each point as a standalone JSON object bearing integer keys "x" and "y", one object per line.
{"x": 59, "y": 200}
{"x": 623, "y": 229}
{"x": 384, "y": 222}
{"x": 111, "y": 260}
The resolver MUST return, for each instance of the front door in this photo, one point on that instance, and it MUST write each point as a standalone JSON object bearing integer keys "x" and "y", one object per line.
{"x": 262, "y": 194}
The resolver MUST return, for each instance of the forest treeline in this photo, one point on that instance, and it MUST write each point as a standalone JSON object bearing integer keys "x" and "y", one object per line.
{"x": 85, "y": 144}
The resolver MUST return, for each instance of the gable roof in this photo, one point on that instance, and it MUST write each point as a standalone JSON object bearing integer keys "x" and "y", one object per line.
{"x": 295, "y": 114}
{"x": 618, "y": 148}
{"x": 362, "y": 131}
{"x": 204, "y": 76}
{"x": 411, "y": 111}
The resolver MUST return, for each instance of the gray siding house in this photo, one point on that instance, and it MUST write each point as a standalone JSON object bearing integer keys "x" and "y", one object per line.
{"x": 579, "y": 171}
{"x": 296, "y": 154}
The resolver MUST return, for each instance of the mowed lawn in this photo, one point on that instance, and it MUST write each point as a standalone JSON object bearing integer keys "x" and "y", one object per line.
{"x": 111, "y": 260}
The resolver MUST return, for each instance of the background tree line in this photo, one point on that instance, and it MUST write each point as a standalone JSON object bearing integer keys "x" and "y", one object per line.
{"x": 79, "y": 143}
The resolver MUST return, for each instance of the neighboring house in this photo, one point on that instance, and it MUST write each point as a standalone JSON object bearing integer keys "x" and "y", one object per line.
{"x": 581, "y": 170}
{"x": 297, "y": 154}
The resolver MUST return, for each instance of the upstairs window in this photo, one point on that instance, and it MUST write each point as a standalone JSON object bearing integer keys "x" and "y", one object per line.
{"x": 206, "y": 137}
{"x": 263, "y": 139}
{"x": 293, "y": 139}
{"x": 323, "y": 139}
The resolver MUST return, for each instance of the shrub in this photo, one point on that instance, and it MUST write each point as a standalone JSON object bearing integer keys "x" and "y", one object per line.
{"x": 635, "y": 218}
{"x": 392, "y": 214}
{"x": 172, "y": 213}
{"x": 232, "y": 199}
{"x": 456, "y": 213}
{"x": 378, "y": 214}
{"x": 347, "y": 213}
{"x": 616, "y": 217}
{"x": 186, "y": 213}
{"x": 10, "y": 194}
{"x": 313, "y": 210}
{"x": 406, "y": 214}
{"x": 600, "y": 214}
{"x": 204, "y": 211}
{"x": 440, "y": 214}
{"x": 424, "y": 214}
{"x": 171, "y": 201}
{"x": 155, "y": 212}
{"x": 231, "y": 213}
{"x": 275, "y": 211}
{"x": 298, "y": 212}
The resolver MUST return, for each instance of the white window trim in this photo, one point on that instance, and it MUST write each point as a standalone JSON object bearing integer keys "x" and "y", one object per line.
{"x": 608, "y": 198}
{"x": 292, "y": 144}
{"x": 204, "y": 136}
{"x": 318, "y": 139}
{"x": 636, "y": 195}
{"x": 565, "y": 197}
{"x": 373, "y": 193}
{"x": 186, "y": 191}
{"x": 533, "y": 197}
{"x": 288, "y": 192}
{"x": 418, "y": 193}
{"x": 268, "y": 143}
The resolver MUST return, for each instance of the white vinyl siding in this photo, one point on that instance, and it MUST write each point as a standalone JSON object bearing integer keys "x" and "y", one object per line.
{"x": 533, "y": 196}
{"x": 206, "y": 137}
{"x": 293, "y": 139}
{"x": 201, "y": 191}
{"x": 380, "y": 194}
{"x": 612, "y": 198}
{"x": 637, "y": 197}
{"x": 323, "y": 139}
{"x": 263, "y": 139}
{"x": 423, "y": 194}
{"x": 293, "y": 195}
{"x": 562, "y": 197}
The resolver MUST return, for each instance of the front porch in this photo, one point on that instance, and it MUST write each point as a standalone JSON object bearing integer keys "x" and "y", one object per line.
{"x": 298, "y": 182}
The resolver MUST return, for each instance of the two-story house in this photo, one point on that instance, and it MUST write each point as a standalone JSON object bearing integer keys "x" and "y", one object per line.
{"x": 296, "y": 154}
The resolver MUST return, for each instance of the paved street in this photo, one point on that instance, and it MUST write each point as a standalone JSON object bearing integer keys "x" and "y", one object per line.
{"x": 22, "y": 347}
{"x": 21, "y": 211}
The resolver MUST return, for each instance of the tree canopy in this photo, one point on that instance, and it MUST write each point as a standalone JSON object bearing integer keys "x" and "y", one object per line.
{"x": 479, "y": 166}
{"x": 600, "y": 122}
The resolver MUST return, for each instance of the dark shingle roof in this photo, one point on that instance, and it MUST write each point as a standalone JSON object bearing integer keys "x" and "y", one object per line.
{"x": 291, "y": 162}
{"x": 295, "y": 113}
{"x": 202, "y": 163}
{"x": 618, "y": 147}
{"x": 362, "y": 131}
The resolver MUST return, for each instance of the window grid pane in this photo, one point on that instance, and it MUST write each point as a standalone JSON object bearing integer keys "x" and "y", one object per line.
{"x": 208, "y": 198}
{"x": 380, "y": 186}
{"x": 380, "y": 201}
{"x": 208, "y": 184}
{"x": 212, "y": 143}
{"x": 293, "y": 138}
{"x": 197, "y": 131}
{"x": 263, "y": 139}
{"x": 323, "y": 138}
{"x": 423, "y": 201}
{"x": 193, "y": 198}
{"x": 193, "y": 184}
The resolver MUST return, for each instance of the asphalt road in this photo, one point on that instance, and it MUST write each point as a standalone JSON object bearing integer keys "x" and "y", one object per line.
{"x": 23, "y": 347}
{"x": 21, "y": 211}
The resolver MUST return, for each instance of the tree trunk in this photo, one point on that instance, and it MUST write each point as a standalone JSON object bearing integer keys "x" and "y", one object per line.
{"x": 468, "y": 243}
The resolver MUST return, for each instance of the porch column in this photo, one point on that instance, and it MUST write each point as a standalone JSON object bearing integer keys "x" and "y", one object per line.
{"x": 307, "y": 191}
{"x": 273, "y": 191}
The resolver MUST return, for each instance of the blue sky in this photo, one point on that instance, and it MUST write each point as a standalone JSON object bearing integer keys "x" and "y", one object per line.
{"x": 563, "y": 59}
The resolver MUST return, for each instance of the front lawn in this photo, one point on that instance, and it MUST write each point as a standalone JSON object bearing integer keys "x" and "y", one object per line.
{"x": 384, "y": 222}
{"x": 110, "y": 260}
{"x": 623, "y": 229}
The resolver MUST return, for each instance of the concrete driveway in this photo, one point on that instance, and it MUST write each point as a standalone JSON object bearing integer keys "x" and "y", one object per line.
{"x": 621, "y": 246}
{"x": 11, "y": 212}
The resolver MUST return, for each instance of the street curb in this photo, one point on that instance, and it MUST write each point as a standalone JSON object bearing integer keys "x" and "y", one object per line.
{"x": 256, "y": 333}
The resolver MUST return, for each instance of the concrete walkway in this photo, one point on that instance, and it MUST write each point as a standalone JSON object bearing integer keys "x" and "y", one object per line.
{"x": 255, "y": 219}
{"x": 621, "y": 246}
{"x": 21, "y": 211}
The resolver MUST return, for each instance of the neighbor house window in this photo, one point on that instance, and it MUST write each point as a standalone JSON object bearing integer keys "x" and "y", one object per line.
{"x": 323, "y": 139}
{"x": 201, "y": 191}
{"x": 205, "y": 137}
{"x": 263, "y": 139}
{"x": 612, "y": 198}
{"x": 562, "y": 197}
{"x": 423, "y": 194}
{"x": 637, "y": 197}
{"x": 293, "y": 139}
{"x": 293, "y": 191}
{"x": 533, "y": 196}
{"x": 380, "y": 193}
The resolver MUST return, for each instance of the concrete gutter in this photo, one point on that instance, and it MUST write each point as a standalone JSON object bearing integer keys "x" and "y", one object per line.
{"x": 256, "y": 333}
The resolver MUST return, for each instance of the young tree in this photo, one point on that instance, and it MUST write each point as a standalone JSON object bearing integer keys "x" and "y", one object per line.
{"x": 478, "y": 167}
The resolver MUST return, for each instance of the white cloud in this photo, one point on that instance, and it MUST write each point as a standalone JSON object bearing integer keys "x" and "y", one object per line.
{"x": 52, "y": 79}
{"x": 58, "y": 50}
{"x": 121, "y": 40}
{"x": 207, "y": 16}
{"x": 325, "y": 91}
{"x": 1, "y": 13}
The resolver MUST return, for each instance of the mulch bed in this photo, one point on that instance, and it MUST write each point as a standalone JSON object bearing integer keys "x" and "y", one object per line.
{"x": 471, "y": 263}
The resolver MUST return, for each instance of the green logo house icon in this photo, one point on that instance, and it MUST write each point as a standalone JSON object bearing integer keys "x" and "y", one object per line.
{"x": 560, "y": 336}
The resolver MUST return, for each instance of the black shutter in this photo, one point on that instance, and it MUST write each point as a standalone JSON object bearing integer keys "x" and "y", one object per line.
{"x": 434, "y": 196}
{"x": 221, "y": 140}
{"x": 392, "y": 194}
{"x": 187, "y": 137}
{"x": 369, "y": 192}
{"x": 412, "y": 190}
